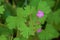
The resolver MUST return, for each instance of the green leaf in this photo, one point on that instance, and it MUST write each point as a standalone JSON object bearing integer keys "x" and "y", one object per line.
{"x": 25, "y": 31}
{"x": 2, "y": 9}
{"x": 54, "y": 19}
{"x": 28, "y": 10}
{"x": 1, "y": 0}
{"x": 24, "y": 13}
{"x": 51, "y": 3}
{"x": 43, "y": 6}
{"x": 17, "y": 38}
{"x": 42, "y": 35}
{"x": 50, "y": 29}
{"x": 48, "y": 33}
{"x": 20, "y": 12}
{"x": 56, "y": 16}
{"x": 11, "y": 22}
{"x": 3, "y": 37}
{"x": 20, "y": 38}
{"x": 5, "y": 31}
{"x": 50, "y": 18}
{"x": 34, "y": 2}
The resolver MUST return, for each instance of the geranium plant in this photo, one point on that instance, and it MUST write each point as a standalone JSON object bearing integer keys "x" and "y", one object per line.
{"x": 29, "y": 19}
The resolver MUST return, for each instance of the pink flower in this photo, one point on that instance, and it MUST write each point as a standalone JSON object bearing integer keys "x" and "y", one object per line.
{"x": 39, "y": 30}
{"x": 40, "y": 14}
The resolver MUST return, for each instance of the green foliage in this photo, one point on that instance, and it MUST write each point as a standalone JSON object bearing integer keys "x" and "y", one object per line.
{"x": 20, "y": 38}
{"x": 1, "y": 1}
{"x": 43, "y": 6}
{"x": 2, "y": 9}
{"x": 56, "y": 16}
{"x": 26, "y": 31}
{"x": 51, "y": 3}
{"x": 20, "y": 12}
{"x": 3, "y": 37}
{"x": 11, "y": 22}
{"x": 24, "y": 19}
{"x": 28, "y": 11}
{"x": 34, "y": 2}
{"x": 19, "y": 22}
{"x": 48, "y": 33}
{"x": 5, "y": 31}
{"x": 17, "y": 39}
{"x": 54, "y": 19}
